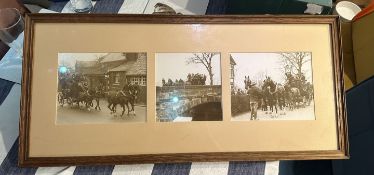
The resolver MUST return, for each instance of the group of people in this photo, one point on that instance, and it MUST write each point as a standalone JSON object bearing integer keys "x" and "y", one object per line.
{"x": 196, "y": 79}
{"x": 192, "y": 79}
{"x": 270, "y": 96}
{"x": 126, "y": 97}
{"x": 75, "y": 88}
{"x": 170, "y": 82}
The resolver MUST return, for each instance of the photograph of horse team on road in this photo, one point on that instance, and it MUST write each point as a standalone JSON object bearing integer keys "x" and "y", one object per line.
{"x": 101, "y": 88}
{"x": 272, "y": 86}
{"x": 188, "y": 87}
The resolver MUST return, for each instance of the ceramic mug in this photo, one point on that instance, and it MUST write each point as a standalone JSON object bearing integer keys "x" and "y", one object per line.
{"x": 346, "y": 10}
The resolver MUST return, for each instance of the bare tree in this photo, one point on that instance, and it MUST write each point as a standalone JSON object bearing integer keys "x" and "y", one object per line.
{"x": 204, "y": 59}
{"x": 295, "y": 61}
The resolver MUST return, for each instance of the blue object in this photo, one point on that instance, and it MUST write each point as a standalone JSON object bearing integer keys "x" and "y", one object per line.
{"x": 63, "y": 69}
{"x": 360, "y": 118}
{"x": 360, "y": 110}
{"x": 5, "y": 87}
{"x": 175, "y": 99}
{"x": 274, "y": 6}
{"x": 327, "y": 3}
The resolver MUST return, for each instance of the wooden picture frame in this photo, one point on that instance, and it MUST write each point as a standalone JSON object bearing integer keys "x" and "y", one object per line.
{"x": 37, "y": 149}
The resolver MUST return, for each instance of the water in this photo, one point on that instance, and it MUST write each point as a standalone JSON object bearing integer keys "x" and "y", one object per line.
{"x": 211, "y": 111}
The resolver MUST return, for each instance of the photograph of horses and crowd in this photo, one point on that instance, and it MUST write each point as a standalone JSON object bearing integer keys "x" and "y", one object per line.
{"x": 188, "y": 87}
{"x": 101, "y": 88}
{"x": 271, "y": 86}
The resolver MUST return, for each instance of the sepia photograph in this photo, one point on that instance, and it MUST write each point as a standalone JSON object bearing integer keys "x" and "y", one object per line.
{"x": 188, "y": 87}
{"x": 171, "y": 101}
{"x": 101, "y": 88}
{"x": 271, "y": 86}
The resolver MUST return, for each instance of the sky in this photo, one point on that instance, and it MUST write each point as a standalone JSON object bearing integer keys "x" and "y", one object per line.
{"x": 69, "y": 59}
{"x": 174, "y": 66}
{"x": 253, "y": 64}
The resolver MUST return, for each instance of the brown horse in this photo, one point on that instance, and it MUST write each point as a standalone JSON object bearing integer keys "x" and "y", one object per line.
{"x": 118, "y": 98}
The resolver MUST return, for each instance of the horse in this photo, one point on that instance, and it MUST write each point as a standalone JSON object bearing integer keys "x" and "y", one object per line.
{"x": 307, "y": 93}
{"x": 96, "y": 94}
{"x": 264, "y": 105}
{"x": 62, "y": 96}
{"x": 133, "y": 95}
{"x": 270, "y": 94}
{"x": 86, "y": 98}
{"x": 117, "y": 97}
{"x": 271, "y": 99}
{"x": 111, "y": 97}
{"x": 281, "y": 96}
{"x": 293, "y": 98}
{"x": 74, "y": 94}
{"x": 78, "y": 94}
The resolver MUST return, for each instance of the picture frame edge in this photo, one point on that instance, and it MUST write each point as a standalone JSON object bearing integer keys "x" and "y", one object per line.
{"x": 25, "y": 102}
{"x": 24, "y": 125}
{"x": 183, "y": 157}
{"x": 341, "y": 112}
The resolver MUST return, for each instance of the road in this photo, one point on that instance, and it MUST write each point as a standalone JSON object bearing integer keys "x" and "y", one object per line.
{"x": 74, "y": 115}
{"x": 306, "y": 113}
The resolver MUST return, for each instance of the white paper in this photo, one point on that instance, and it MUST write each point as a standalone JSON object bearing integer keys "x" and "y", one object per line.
{"x": 209, "y": 168}
{"x": 55, "y": 170}
{"x": 133, "y": 6}
{"x": 186, "y": 7}
{"x": 272, "y": 168}
{"x": 313, "y": 9}
{"x": 69, "y": 9}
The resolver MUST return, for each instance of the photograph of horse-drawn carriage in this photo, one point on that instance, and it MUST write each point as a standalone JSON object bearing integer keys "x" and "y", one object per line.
{"x": 272, "y": 86}
{"x": 188, "y": 87}
{"x": 101, "y": 87}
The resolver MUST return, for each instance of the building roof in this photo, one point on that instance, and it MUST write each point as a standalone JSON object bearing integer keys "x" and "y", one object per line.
{"x": 139, "y": 67}
{"x": 88, "y": 68}
{"x": 85, "y": 64}
{"x": 113, "y": 57}
{"x": 232, "y": 61}
{"x": 123, "y": 67}
{"x": 93, "y": 71}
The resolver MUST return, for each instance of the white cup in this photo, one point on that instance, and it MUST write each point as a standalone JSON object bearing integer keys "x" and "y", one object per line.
{"x": 346, "y": 10}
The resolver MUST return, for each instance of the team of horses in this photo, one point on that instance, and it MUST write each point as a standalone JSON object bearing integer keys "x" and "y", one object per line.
{"x": 78, "y": 93}
{"x": 272, "y": 97}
